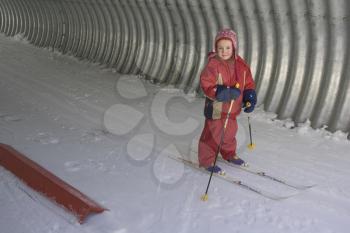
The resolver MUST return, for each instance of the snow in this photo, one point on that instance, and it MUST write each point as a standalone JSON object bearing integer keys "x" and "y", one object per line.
{"x": 109, "y": 135}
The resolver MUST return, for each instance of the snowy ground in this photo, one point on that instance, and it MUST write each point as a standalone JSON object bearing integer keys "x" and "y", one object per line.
{"x": 109, "y": 135}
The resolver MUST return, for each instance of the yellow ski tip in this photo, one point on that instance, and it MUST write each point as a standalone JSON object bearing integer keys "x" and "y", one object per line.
{"x": 251, "y": 146}
{"x": 204, "y": 197}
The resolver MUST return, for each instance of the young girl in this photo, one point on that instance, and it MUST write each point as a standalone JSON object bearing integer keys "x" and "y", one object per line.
{"x": 228, "y": 85}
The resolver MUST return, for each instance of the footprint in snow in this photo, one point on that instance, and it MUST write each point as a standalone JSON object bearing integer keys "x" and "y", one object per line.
{"x": 8, "y": 118}
{"x": 91, "y": 136}
{"x": 44, "y": 138}
{"x": 72, "y": 166}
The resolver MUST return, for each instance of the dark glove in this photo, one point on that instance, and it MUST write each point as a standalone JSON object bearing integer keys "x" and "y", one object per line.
{"x": 226, "y": 93}
{"x": 249, "y": 100}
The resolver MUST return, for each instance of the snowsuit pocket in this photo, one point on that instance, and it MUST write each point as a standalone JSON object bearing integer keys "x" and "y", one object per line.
{"x": 212, "y": 109}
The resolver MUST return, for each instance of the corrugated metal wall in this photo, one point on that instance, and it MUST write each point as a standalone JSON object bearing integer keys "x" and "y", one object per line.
{"x": 298, "y": 49}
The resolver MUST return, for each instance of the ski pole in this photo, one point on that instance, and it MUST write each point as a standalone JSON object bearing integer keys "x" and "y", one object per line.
{"x": 250, "y": 146}
{"x": 205, "y": 195}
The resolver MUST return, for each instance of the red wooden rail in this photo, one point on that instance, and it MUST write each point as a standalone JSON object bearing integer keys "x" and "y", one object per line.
{"x": 47, "y": 183}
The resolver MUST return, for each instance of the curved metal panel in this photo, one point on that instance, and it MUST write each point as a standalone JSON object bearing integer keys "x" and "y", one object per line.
{"x": 131, "y": 41}
{"x": 168, "y": 41}
{"x": 201, "y": 44}
{"x": 109, "y": 34}
{"x": 298, "y": 49}
{"x": 6, "y": 18}
{"x": 140, "y": 35}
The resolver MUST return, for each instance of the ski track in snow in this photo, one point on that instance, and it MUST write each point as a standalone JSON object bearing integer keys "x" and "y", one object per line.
{"x": 53, "y": 109}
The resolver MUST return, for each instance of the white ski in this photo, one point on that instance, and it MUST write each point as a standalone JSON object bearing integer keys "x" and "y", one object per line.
{"x": 264, "y": 174}
{"x": 232, "y": 180}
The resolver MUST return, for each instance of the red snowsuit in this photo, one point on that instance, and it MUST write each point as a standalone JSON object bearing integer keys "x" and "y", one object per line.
{"x": 220, "y": 72}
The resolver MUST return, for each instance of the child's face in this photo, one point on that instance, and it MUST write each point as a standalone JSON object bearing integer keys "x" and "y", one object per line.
{"x": 224, "y": 49}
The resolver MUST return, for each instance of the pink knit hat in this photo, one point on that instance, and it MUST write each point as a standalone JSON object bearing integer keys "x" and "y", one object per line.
{"x": 226, "y": 34}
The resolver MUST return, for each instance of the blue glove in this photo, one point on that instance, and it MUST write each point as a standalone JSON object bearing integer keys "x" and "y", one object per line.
{"x": 249, "y": 100}
{"x": 226, "y": 93}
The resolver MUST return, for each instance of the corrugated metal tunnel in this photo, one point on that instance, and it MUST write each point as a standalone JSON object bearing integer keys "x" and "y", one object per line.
{"x": 298, "y": 49}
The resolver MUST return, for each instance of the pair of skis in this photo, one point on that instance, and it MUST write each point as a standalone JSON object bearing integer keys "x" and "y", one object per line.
{"x": 265, "y": 175}
{"x": 240, "y": 183}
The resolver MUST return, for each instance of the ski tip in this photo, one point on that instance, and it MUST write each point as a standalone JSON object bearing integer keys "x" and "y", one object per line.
{"x": 281, "y": 198}
{"x": 204, "y": 197}
{"x": 306, "y": 187}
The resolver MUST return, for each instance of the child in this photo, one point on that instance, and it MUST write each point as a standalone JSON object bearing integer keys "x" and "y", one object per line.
{"x": 225, "y": 78}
